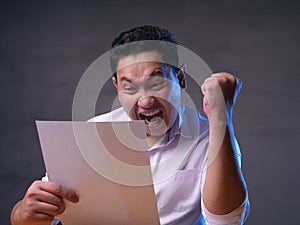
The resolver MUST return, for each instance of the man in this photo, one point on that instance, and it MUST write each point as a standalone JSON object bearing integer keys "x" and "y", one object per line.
{"x": 206, "y": 185}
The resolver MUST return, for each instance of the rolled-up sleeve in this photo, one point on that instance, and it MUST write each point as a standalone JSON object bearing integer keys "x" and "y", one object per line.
{"x": 236, "y": 217}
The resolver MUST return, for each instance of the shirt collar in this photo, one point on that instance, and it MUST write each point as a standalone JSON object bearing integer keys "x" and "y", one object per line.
{"x": 183, "y": 125}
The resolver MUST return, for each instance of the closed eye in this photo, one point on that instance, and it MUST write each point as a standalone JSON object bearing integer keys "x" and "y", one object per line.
{"x": 157, "y": 85}
{"x": 130, "y": 89}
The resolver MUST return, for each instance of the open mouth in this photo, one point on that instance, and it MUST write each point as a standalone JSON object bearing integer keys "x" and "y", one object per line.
{"x": 151, "y": 116}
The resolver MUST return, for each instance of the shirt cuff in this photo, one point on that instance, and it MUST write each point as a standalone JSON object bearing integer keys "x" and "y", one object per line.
{"x": 236, "y": 217}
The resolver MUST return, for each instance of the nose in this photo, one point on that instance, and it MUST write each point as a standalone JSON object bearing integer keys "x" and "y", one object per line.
{"x": 146, "y": 101}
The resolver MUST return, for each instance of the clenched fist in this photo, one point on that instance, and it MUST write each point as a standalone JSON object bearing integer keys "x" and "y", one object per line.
{"x": 220, "y": 91}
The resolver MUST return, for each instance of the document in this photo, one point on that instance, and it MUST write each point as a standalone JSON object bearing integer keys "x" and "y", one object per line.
{"x": 107, "y": 164}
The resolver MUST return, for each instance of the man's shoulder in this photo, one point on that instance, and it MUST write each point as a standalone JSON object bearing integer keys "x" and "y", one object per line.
{"x": 115, "y": 115}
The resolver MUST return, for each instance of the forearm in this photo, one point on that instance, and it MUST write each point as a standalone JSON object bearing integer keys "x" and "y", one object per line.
{"x": 224, "y": 188}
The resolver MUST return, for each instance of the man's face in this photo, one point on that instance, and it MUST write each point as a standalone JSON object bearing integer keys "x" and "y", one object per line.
{"x": 149, "y": 90}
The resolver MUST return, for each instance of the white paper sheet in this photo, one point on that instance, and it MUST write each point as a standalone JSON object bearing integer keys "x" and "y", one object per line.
{"x": 108, "y": 166}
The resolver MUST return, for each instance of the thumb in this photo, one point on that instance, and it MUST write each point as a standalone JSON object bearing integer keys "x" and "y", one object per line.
{"x": 213, "y": 101}
{"x": 206, "y": 107}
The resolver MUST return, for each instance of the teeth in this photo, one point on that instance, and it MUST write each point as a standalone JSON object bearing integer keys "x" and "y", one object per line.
{"x": 150, "y": 113}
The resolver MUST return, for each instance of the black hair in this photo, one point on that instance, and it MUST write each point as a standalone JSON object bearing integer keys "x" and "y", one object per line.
{"x": 144, "y": 33}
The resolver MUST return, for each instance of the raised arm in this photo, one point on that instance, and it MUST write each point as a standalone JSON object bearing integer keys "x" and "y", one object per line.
{"x": 224, "y": 188}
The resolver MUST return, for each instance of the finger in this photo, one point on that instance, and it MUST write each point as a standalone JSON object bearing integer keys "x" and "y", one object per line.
{"x": 61, "y": 191}
{"x": 36, "y": 212}
{"x": 211, "y": 88}
{"x": 230, "y": 85}
{"x": 54, "y": 201}
{"x": 206, "y": 107}
{"x": 223, "y": 75}
{"x": 213, "y": 102}
{"x": 42, "y": 218}
{"x": 51, "y": 199}
{"x": 49, "y": 209}
{"x": 208, "y": 85}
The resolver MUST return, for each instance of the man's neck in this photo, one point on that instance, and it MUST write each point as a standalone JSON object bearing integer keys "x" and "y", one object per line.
{"x": 152, "y": 140}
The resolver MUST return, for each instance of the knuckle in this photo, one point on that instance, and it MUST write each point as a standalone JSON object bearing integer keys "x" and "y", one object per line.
{"x": 209, "y": 88}
{"x": 58, "y": 189}
{"x": 36, "y": 184}
{"x": 224, "y": 77}
{"x": 211, "y": 85}
{"x": 31, "y": 193}
{"x": 56, "y": 200}
{"x": 29, "y": 214}
{"x": 61, "y": 209}
{"x": 223, "y": 74}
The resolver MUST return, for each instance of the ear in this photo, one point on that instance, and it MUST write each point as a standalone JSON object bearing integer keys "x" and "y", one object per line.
{"x": 181, "y": 76}
{"x": 114, "y": 82}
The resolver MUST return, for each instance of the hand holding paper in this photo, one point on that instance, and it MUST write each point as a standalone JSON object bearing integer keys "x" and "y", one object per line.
{"x": 113, "y": 181}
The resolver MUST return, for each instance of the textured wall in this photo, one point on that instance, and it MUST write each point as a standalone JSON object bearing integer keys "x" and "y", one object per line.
{"x": 45, "y": 47}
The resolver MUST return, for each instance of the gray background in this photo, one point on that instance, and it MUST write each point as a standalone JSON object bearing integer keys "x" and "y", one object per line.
{"x": 45, "y": 47}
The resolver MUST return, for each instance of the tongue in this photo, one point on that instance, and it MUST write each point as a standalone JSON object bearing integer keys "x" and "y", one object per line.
{"x": 152, "y": 118}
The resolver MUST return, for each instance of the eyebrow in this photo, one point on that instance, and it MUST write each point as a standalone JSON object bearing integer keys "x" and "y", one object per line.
{"x": 153, "y": 74}
{"x": 125, "y": 79}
